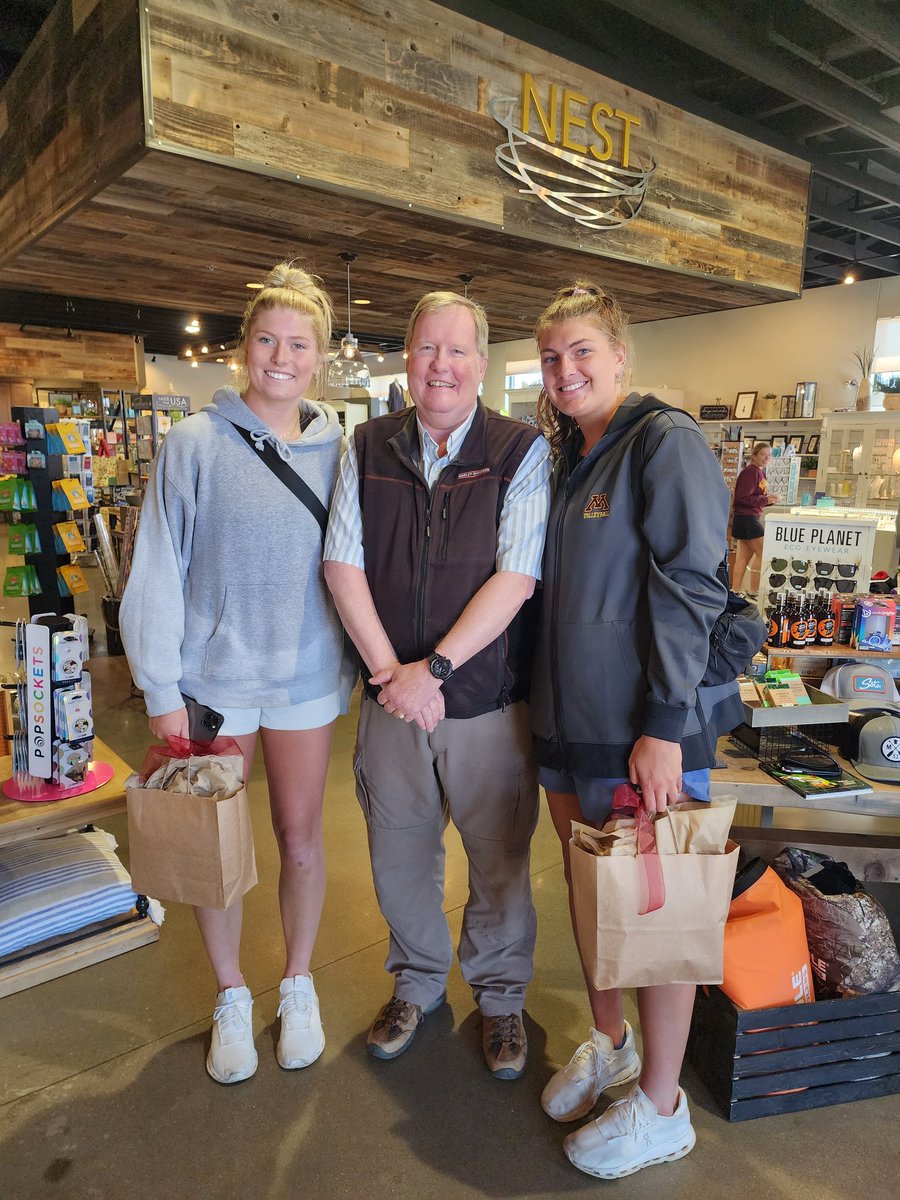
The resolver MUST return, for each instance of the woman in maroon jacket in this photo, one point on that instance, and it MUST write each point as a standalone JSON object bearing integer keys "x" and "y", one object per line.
{"x": 751, "y": 496}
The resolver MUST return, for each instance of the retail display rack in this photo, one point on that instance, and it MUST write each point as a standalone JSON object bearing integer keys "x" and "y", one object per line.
{"x": 154, "y": 415}
{"x": 58, "y": 494}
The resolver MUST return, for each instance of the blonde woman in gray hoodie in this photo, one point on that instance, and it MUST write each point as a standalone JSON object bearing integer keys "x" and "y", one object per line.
{"x": 226, "y": 603}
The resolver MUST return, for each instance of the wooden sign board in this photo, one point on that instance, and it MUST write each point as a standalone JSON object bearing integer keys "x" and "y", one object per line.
{"x": 203, "y": 140}
{"x": 715, "y": 412}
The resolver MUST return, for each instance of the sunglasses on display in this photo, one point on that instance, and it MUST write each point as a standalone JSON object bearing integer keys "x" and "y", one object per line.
{"x": 840, "y": 585}
{"x": 781, "y": 564}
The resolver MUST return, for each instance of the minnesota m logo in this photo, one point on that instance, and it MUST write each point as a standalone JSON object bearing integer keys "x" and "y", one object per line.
{"x": 597, "y": 506}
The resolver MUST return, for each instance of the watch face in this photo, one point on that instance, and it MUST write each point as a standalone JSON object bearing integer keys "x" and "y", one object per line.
{"x": 890, "y": 748}
{"x": 440, "y": 667}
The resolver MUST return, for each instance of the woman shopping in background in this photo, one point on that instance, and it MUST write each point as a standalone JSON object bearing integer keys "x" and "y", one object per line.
{"x": 226, "y": 603}
{"x": 637, "y": 530}
{"x": 751, "y": 496}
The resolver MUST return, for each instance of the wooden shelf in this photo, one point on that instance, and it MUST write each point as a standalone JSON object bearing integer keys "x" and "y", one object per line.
{"x": 830, "y": 652}
{"x": 22, "y": 822}
{"x": 764, "y": 421}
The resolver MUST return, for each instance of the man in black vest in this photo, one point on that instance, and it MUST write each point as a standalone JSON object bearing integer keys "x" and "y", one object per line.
{"x": 434, "y": 545}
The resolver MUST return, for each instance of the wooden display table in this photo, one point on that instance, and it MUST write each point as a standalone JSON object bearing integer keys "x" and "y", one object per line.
{"x": 20, "y": 822}
{"x": 874, "y": 857}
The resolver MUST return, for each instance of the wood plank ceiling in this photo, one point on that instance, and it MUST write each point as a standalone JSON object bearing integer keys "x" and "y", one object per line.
{"x": 238, "y": 222}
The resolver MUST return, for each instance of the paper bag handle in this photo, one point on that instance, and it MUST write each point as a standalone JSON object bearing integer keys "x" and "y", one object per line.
{"x": 653, "y": 885}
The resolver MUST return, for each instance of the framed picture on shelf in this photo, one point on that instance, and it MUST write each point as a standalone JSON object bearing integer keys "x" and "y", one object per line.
{"x": 812, "y": 446}
{"x": 787, "y": 407}
{"x": 780, "y": 441}
{"x": 743, "y": 405}
{"x": 796, "y": 440}
{"x": 806, "y": 400}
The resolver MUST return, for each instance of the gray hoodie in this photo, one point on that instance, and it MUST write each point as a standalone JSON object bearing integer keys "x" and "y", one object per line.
{"x": 226, "y": 600}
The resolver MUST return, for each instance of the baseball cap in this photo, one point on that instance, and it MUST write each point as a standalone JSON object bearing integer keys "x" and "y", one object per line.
{"x": 879, "y": 749}
{"x": 865, "y": 684}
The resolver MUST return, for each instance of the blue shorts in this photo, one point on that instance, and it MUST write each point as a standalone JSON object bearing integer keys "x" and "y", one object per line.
{"x": 595, "y": 796}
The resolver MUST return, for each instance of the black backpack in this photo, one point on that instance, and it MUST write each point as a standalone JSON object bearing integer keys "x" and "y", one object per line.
{"x": 739, "y": 632}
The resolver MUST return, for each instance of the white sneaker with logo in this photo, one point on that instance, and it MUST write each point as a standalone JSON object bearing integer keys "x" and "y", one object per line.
{"x": 630, "y": 1135}
{"x": 302, "y": 1037}
{"x": 232, "y": 1056}
{"x": 596, "y": 1065}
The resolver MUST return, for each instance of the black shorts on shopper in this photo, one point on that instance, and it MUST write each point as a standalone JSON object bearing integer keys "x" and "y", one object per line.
{"x": 745, "y": 529}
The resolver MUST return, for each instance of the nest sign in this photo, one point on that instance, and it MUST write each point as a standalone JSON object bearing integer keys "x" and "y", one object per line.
{"x": 575, "y": 154}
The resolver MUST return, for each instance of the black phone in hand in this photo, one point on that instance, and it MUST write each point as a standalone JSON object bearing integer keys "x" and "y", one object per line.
{"x": 204, "y": 722}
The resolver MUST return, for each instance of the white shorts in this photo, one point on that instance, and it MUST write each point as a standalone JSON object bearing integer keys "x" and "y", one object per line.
{"x": 311, "y": 714}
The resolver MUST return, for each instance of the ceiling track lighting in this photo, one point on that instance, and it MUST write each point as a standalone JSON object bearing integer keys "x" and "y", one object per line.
{"x": 465, "y": 279}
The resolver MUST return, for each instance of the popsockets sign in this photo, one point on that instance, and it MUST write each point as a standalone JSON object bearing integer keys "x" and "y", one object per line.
{"x": 37, "y": 665}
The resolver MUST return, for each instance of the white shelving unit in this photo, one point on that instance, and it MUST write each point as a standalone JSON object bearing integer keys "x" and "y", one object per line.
{"x": 859, "y": 460}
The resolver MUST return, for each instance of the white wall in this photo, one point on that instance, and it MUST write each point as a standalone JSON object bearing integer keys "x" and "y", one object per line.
{"x": 769, "y": 348}
{"x": 176, "y": 377}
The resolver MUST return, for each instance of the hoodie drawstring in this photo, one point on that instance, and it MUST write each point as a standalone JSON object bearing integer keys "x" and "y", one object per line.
{"x": 261, "y": 436}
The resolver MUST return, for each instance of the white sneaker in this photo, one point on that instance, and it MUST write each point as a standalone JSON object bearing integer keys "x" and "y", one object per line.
{"x": 631, "y": 1134}
{"x": 232, "y": 1055}
{"x": 596, "y": 1064}
{"x": 302, "y": 1038}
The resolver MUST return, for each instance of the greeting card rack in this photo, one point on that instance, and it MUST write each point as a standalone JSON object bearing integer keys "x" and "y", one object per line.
{"x": 43, "y": 469}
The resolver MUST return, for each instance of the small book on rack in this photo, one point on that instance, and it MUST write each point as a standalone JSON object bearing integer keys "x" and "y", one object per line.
{"x": 812, "y": 786}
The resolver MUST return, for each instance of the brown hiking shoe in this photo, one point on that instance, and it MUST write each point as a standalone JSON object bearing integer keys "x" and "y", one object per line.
{"x": 395, "y": 1026}
{"x": 505, "y": 1045}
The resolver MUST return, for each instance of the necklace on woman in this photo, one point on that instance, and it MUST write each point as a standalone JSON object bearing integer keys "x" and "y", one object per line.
{"x": 294, "y": 429}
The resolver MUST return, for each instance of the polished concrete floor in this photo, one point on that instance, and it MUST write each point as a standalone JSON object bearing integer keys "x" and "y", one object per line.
{"x": 103, "y": 1091}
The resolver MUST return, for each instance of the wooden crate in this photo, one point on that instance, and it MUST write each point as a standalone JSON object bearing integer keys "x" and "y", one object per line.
{"x": 765, "y": 1061}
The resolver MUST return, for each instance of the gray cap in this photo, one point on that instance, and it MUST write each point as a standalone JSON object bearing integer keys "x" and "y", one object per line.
{"x": 879, "y": 749}
{"x": 862, "y": 683}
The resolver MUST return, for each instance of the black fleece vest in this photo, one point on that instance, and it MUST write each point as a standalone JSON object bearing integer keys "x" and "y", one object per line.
{"x": 427, "y": 554}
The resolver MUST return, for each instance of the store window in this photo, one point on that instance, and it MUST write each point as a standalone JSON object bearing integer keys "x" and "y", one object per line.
{"x": 886, "y": 366}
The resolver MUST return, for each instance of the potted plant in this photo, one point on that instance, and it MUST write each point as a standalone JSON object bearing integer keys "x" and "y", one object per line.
{"x": 864, "y": 358}
{"x": 890, "y": 386}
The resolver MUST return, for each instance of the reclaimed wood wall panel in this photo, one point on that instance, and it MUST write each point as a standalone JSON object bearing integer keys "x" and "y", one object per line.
{"x": 53, "y": 357}
{"x": 199, "y": 237}
{"x": 71, "y": 116}
{"x": 390, "y": 103}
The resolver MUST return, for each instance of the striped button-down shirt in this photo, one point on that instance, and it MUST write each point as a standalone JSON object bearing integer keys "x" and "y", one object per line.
{"x": 523, "y": 518}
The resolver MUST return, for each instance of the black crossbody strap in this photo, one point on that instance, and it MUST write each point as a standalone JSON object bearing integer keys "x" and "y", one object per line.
{"x": 288, "y": 476}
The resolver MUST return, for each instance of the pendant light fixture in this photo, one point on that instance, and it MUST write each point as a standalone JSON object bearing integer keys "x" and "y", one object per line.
{"x": 347, "y": 369}
{"x": 349, "y": 344}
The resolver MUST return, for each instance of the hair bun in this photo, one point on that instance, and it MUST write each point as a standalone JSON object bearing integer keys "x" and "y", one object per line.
{"x": 286, "y": 275}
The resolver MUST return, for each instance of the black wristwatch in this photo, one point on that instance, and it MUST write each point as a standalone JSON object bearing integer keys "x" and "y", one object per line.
{"x": 440, "y": 667}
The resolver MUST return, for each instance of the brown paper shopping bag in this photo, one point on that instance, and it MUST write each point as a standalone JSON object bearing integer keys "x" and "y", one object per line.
{"x": 679, "y": 940}
{"x": 196, "y": 849}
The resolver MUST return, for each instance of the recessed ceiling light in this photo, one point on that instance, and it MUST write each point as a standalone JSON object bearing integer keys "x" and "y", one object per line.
{"x": 361, "y": 301}
{"x": 254, "y": 285}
